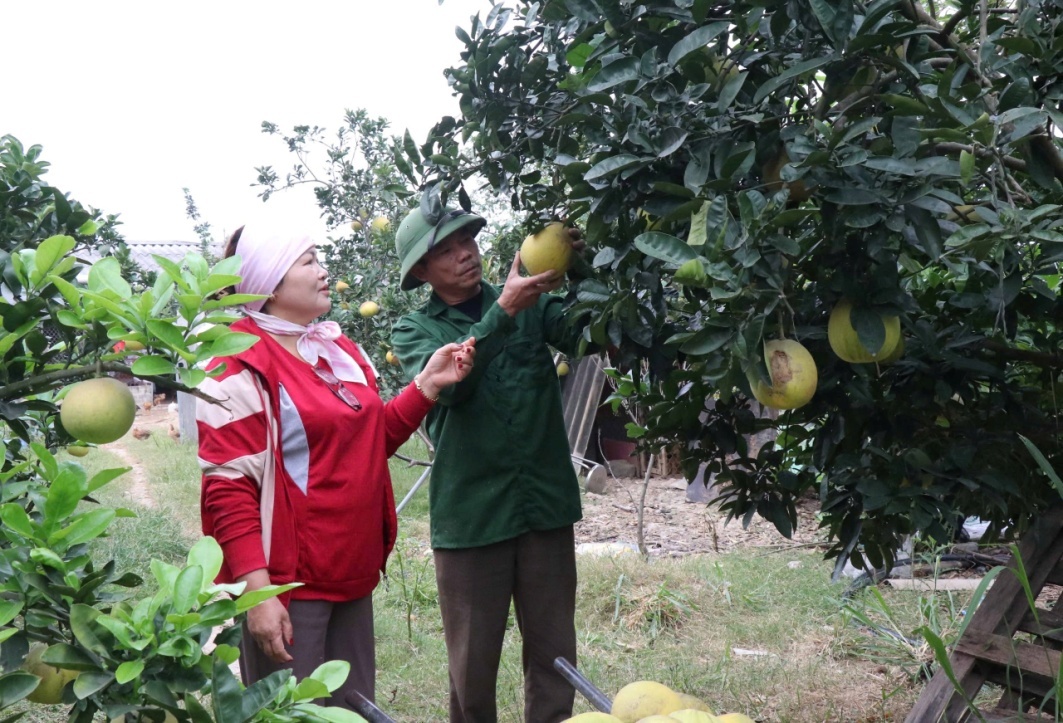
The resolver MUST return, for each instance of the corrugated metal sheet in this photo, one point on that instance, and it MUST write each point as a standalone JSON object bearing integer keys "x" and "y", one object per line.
{"x": 581, "y": 393}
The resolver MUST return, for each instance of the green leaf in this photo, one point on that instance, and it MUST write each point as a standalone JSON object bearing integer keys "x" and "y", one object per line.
{"x": 91, "y": 682}
{"x": 86, "y": 526}
{"x": 129, "y": 670}
{"x": 168, "y": 332}
{"x": 249, "y": 599}
{"x": 89, "y": 228}
{"x": 706, "y": 341}
{"x": 695, "y": 40}
{"x": 15, "y": 686}
{"x": 331, "y": 714}
{"x": 332, "y": 673}
{"x": 8, "y": 610}
{"x": 15, "y": 517}
{"x": 612, "y": 165}
{"x": 621, "y": 71}
{"x": 49, "y": 253}
{"x": 1044, "y": 464}
{"x": 207, "y": 554}
{"x": 106, "y": 275}
{"x": 83, "y": 625}
{"x": 308, "y": 689}
{"x": 792, "y": 72}
{"x": 186, "y": 589}
{"x": 232, "y": 343}
{"x": 966, "y": 168}
{"x": 664, "y": 247}
{"x": 153, "y": 366}
{"x": 70, "y": 292}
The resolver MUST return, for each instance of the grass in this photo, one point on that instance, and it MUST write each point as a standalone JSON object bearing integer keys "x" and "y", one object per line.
{"x": 765, "y": 634}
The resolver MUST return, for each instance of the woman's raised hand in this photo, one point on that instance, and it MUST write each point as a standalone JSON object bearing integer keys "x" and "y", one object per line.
{"x": 449, "y": 365}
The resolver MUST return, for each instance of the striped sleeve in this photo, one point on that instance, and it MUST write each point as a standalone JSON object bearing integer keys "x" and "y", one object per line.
{"x": 235, "y": 457}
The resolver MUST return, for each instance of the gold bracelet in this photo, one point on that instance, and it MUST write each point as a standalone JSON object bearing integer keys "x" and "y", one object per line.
{"x": 417, "y": 383}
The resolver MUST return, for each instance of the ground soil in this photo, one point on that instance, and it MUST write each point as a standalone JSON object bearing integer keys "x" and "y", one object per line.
{"x": 674, "y": 526}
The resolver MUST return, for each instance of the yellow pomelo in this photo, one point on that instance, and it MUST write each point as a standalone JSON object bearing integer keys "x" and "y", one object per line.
{"x": 643, "y": 698}
{"x": 50, "y": 690}
{"x": 98, "y": 410}
{"x": 964, "y": 213}
{"x": 134, "y": 345}
{"x": 356, "y": 225}
{"x": 897, "y": 353}
{"x": 342, "y": 286}
{"x": 369, "y": 308}
{"x": 691, "y": 702}
{"x": 562, "y": 369}
{"x": 391, "y": 358}
{"x": 847, "y": 345}
{"x": 380, "y": 224}
{"x": 734, "y": 718}
{"x": 549, "y": 249}
{"x": 793, "y": 375}
{"x": 593, "y": 717}
{"x": 690, "y": 715}
{"x": 77, "y": 450}
{"x": 657, "y": 719}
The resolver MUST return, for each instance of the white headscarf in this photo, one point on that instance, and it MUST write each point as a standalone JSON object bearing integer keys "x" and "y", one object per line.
{"x": 266, "y": 254}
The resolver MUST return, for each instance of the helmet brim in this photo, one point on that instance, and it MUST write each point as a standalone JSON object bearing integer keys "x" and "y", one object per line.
{"x": 420, "y": 248}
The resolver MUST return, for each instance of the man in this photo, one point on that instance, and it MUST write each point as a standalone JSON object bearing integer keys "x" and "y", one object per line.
{"x": 504, "y": 496}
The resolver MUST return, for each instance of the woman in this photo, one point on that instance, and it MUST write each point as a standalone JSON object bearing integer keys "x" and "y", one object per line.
{"x": 295, "y": 477}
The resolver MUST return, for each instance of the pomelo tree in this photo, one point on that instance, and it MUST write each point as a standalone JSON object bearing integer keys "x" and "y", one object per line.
{"x": 898, "y": 155}
{"x": 65, "y": 615}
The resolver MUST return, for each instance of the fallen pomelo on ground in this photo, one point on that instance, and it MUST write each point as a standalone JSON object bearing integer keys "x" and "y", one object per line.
{"x": 690, "y": 715}
{"x": 644, "y": 698}
{"x": 593, "y": 717}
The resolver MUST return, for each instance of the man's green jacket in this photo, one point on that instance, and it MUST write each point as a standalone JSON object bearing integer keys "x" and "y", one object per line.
{"x": 502, "y": 464}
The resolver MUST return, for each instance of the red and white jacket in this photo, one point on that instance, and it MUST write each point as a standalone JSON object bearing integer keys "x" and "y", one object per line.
{"x": 294, "y": 479}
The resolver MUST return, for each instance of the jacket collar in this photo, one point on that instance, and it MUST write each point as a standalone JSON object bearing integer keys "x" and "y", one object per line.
{"x": 438, "y": 307}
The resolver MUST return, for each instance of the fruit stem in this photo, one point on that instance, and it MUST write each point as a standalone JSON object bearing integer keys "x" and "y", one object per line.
{"x": 782, "y": 323}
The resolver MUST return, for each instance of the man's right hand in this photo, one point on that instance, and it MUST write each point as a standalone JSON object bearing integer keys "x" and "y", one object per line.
{"x": 521, "y": 292}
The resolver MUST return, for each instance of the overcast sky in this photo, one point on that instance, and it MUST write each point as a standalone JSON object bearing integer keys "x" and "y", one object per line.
{"x": 135, "y": 100}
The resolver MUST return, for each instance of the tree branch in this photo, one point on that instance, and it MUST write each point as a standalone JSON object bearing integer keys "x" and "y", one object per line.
{"x": 1042, "y": 359}
{"x": 50, "y": 380}
{"x": 1015, "y": 164}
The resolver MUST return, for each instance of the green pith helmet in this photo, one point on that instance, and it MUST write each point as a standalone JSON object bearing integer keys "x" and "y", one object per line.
{"x": 416, "y": 235}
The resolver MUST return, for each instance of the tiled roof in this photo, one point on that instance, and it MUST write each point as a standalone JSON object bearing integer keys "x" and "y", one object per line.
{"x": 142, "y": 251}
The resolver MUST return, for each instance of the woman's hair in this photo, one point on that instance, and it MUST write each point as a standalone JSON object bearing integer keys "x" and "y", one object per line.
{"x": 230, "y": 250}
{"x": 230, "y": 245}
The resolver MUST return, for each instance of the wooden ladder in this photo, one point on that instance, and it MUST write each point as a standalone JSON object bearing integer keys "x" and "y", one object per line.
{"x": 988, "y": 651}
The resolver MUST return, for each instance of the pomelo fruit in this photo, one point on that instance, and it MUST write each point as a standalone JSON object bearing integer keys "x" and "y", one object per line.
{"x": 77, "y": 450}
{"x": 845, "y": 342}
{"x": 549, "y": 249}
{"x": 793, "y": 375}
{"x": 369, "y": 308}
{"x": 50, "y": 690}
{"x": 98, "y": 410}
{"x": 643, "y": 698}
{"x": 593, "y": 717}
{"x": 380, "y": 224}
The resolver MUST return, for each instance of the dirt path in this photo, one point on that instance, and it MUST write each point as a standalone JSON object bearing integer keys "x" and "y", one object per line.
{"x": 139, "y": 491}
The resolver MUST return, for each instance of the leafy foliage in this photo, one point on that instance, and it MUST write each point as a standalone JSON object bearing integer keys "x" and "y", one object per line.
{"x": 137, "y": 659}
{"x": 786, "y": 156}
